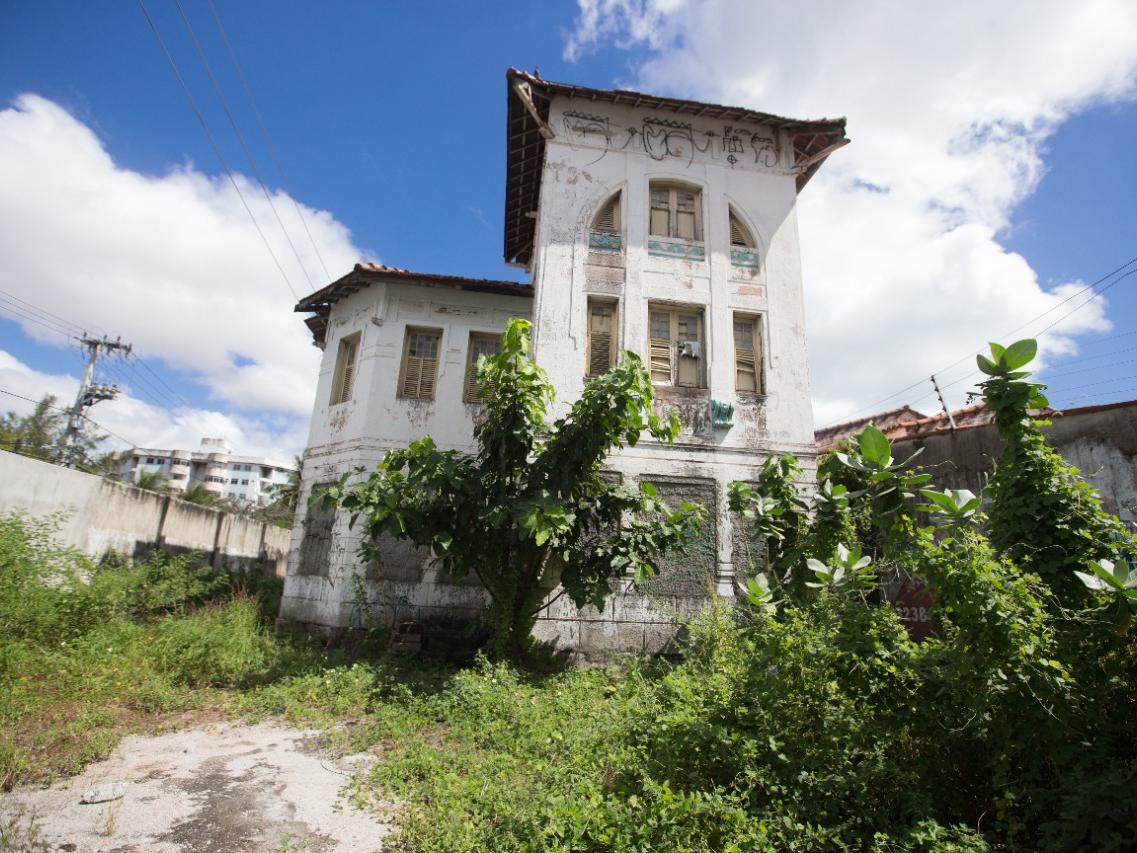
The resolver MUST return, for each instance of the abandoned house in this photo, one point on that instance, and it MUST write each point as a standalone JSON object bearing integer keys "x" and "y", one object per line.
{"x": 662, "y": 226}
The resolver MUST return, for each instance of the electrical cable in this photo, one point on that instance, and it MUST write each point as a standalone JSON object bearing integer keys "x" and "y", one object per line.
{"x": 1050, "y": 310}
{"x": 240, "y": 137}
{"x": 268, "y": 138}
{"x": 214, "y": 146}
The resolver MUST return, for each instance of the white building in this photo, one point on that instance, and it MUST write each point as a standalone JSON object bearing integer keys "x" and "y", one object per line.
{"x": 251, "y": 480}
{"x": 662, "y": 226}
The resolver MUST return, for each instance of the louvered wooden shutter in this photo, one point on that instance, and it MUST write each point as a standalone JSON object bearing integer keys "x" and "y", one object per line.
{"x": 746, "y": 356}
{"x": 480, "y": 345}
{"x": 600, "y": 339}
{"x": 738, "y": 233}
{"x": 608, "y": 217}
{"x": 420, "y": 365}
{"x": 348, "y": 383}
{"x": 660, "y": 347}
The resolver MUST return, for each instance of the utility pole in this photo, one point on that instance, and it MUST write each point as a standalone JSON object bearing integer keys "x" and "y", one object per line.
{"x": 88, "y": 394}
{"x": 943, "y": 405}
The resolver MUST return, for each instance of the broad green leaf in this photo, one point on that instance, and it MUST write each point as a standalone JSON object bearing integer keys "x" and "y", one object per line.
{"x": 874, "y": 446}
{"x": 986, "y": 365}
{"x": 997, "y": 350}
{"x": 1020, "y": 353}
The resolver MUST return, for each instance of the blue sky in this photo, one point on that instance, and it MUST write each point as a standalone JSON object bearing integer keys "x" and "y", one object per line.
{"x": 389, "y": 120}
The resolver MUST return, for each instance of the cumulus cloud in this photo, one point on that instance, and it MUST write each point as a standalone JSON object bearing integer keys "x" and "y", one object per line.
{"x": 129, "y": 421}
{"x": 170, "y": 262}
{"x": 949, "y": 108}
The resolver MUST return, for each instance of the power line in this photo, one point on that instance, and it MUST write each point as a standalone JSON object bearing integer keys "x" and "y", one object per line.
{"x": 21, "y": 314}
{"x": 268, "y": 138}
{"x": 1050, "y": 310}
{"x": 65, "y": 411}
{"x": 240, "y": 137}
{"x": 161, "y": 381}
{"x": 214, "y": 146}
{"x": 8, "y": 297}
{"x": 1086, "y": 369}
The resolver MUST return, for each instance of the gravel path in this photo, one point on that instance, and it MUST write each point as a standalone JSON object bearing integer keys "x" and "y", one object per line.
{"x": 213, "y": 789}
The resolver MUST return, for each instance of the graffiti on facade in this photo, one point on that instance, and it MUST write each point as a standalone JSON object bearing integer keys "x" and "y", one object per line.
{"x": 662, "y": 138}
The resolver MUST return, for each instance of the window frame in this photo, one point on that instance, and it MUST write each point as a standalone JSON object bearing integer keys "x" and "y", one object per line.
{"x": 736, "y": 222}
{"x": 674, "y": 341}
{"x": 757, "y": 324}
{"x": 613, "y": 305}
{"x": 346, "y": 369}
{"x": 471, "y": 388}
{"x": 672, "y": 188}
{"x": 404, "y": 364}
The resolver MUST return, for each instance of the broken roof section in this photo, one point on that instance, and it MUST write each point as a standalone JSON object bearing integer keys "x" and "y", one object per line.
{"x": 363, "y": 275}
{"x": 527, "y": 128}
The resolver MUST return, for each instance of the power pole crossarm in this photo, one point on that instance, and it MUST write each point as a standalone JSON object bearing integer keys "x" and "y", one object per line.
{"x": 88, "y": 394}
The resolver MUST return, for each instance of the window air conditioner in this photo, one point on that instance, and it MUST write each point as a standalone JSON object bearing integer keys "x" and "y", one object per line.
{"x": 691, "y": 349}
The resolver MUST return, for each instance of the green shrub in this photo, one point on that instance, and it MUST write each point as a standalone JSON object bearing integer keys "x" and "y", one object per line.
{"x": 221, "y": 644}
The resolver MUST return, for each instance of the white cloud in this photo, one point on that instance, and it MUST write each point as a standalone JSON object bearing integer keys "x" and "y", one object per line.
{"x": 130, "y": 421}
{"x": 171, "y": 262}
{"x": 949, "y": 107}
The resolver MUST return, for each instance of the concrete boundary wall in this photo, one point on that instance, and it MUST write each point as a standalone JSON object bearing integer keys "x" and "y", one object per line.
{"x": 100, "y": 515}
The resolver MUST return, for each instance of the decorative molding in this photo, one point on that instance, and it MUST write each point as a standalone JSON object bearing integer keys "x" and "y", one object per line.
{"x": 743, "y": 257}
{"x": 722, "y": 415}
{"x": 605, "y": 241}
{"x": 682, "y": 251}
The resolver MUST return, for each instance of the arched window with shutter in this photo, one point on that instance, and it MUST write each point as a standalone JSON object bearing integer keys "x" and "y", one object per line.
{"x": 604, "y": 232}
{"x": 743, "y": 248}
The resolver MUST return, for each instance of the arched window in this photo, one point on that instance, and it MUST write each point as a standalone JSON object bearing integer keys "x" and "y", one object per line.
{"x": 676, "y": 211}
{"x": 604, "y": 232}
{"x": 739, "y": 233}
{"x": 743, "y": 247}
{"x": 608, "y": 217}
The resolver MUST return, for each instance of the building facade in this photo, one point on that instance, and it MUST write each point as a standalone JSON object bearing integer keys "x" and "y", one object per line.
{"x": 251, "y": 480}
{"x": 660, "y": 226}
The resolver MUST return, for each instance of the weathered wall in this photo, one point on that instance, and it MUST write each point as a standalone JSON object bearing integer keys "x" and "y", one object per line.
{"x": 613, "y": 149}
{"x": 319, "y": 588}
{"x": 1100, "y": 442}
{"x": 102, "y": 515}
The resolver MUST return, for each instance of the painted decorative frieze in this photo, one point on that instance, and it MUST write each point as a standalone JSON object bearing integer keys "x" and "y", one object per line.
{"x": 682, "y": 251}
{"x": 663, "y": 139}
{"x": 605, "y": 241}
{"x": 743, "y": 257}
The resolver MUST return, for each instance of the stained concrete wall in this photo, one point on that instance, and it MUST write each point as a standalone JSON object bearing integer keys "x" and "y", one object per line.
{"x": 1101, "y": 442}
{"x": 100, "y": 515}
{"x": 583, "y": 169}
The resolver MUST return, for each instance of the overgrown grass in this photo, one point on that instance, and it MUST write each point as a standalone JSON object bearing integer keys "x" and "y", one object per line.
{"x": 90, "y": 652}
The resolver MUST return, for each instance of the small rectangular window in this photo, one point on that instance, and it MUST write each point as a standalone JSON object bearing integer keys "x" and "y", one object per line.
{"x": 602, "y": 337}
{"x": 343, "y": 380}
{"x": 420, "y": 363}
{"x": 677, "y": 213}
{"x": 748, "y": 373}
{"x": 675, "y": 346}
{"x": 480, "y": 344}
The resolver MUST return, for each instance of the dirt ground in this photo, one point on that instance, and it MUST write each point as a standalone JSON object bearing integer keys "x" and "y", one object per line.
{"x": 212, "y": 789}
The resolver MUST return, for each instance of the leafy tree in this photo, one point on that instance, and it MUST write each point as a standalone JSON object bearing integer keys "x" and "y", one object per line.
{"x": 151, "y": 481}
{"x": 531, "y": 508}
{"x": 37, "y": 433}
{"x": 200, "y": 495}
{"x": 1044, "y": 516}
{"x": 288, "y": 493}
